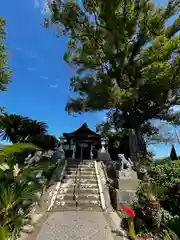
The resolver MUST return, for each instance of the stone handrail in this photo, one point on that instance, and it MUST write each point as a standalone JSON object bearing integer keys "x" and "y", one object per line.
{"x": 75, "y": 185}
{"x": 78, "y": 186}
{"x": 57, "y": 172}
{"x": 104, "y": 170}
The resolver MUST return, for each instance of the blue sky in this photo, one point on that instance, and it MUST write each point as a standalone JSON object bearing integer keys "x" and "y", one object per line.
{"x": 40, "y": 82}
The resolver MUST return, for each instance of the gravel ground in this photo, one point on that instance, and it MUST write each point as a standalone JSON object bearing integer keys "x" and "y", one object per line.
{"x": 75, "y": 226}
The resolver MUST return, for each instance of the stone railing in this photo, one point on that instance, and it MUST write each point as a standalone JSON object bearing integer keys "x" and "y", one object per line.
{"x": 58, "y": 171}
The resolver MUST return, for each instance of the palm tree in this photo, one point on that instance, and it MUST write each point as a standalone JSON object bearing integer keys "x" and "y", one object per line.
{"x": 34, "y": 127}
{"x": 17, "y": 128}
{"x": 44, "y": 141}
{"x": 12, "y": 127}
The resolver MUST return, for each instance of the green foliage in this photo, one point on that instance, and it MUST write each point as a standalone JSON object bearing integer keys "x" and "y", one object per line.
{"x": 44, "y": 141}
{"x": 104, "y": 129}
{"x": 18, "y": 191}
{"x": 167, "y": 178}
{"x": 121, "y": 50}
{"x": 10, "y": 150}
{"x": 166, "y": 175}
{"x": 5, "y": 72}
{"x": 124, "y": 56}
{"x": 34, "y": 127}
{"x": 148, "y": 192}
{"x": 171, "y": 221}
{"x": 163, "y": 161}
{"x": 17, "y": 128}
{"x": 163, "y": 185}
{"x": 11, "y": 127}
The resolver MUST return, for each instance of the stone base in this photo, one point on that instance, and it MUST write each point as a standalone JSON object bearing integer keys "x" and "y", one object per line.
{"x": 125, "y": 196}
{"x": 126, "y": 174}
{"x": 128, "y": 184}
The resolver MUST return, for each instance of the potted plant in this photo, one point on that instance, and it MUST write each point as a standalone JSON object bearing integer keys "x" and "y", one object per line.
{"x": 129, "y": 214}
{"x": 151, "y": 209}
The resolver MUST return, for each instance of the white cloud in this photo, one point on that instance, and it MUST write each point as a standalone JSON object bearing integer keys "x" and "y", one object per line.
{"x": 176, "y": 108}
{"x": 42, "y": 5}
{"x": 44, "y": 77}
{"x": 54, "y": 86}
{"x": 37, "y": 3}
{"x": 105, "y": 118}
{"x": 45, "y": 8}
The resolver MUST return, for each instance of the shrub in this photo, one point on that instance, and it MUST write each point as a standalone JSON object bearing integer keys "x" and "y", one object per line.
{"x": 171, "y": 221}
{"x": 166, "y": 180}
{"x": 19, "y": 189}
{"x": 167, "y": 177}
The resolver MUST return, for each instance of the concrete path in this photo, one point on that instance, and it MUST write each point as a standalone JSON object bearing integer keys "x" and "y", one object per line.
{"x": 76, "y": 225}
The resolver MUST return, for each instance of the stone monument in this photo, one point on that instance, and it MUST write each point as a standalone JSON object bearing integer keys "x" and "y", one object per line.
{"x": 133, "y": 146}
{"x": 128, "y": 182}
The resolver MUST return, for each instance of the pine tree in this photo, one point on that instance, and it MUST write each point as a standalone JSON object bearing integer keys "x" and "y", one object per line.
{"x": 5, "y": 72}
{"x": 173, "y": 154}
{"x": 124, "y": 55}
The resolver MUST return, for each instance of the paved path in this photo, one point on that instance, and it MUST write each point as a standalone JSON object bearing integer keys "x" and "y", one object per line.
{"x": 76, "y": 225}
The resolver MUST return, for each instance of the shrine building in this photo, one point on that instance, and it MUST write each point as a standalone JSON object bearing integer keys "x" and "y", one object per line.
{"x": 83, "y": 143}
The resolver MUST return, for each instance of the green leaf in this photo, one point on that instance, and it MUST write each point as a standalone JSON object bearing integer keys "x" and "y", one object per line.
{"x": 4, "y": 233}
{"x": 66, "y": 57}
{"x": 4, "y": 166}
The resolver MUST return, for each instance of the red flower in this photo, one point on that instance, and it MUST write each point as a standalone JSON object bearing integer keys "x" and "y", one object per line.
{"x": 128, "y": 211}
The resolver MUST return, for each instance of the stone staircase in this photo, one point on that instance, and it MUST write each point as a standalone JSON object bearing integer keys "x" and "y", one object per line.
{"x": 79, "y": 188}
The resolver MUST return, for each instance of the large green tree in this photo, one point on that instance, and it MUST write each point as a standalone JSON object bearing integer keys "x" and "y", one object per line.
{"x": 125, "y": 57}
{"x": 5, "y": 72}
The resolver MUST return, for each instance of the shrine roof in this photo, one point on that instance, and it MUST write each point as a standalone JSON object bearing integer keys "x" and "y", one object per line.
{"x": 83, "y": 130}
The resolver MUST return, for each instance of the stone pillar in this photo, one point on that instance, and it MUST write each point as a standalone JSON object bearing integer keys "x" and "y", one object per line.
{"x": 133, "y": 146}
{"x": 81, "y": 152}
{"x": 74, "y": 151}
{"x": 91, "y": 153}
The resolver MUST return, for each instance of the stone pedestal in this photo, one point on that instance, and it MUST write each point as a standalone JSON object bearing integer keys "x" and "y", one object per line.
{"x": 128, "y": 183}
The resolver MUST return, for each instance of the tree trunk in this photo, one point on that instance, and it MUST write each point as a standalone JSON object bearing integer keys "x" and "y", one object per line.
{"x": 140, "y": 141}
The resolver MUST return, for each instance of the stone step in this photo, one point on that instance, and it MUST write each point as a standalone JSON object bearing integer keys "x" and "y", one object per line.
{"x": 86, "y": 185}
{"x": 64, "y": 197}
{"x": 88, "y": 181}
{"x": 80, "y": 203}
{"x": 83, "y": 176}
{"x": 70, "y": 172}
{"x": 28, "y": 228}
{"x": 89, "y": 185}
{"x": 80, "y": 167}
{"x": 78, "y": 208}
{"x": 81, "y": 181}
{"x": 80, "y": 162}
{"x": 82, "y": 191}
{"x": 83, "y": 170}
{"x": 74, "y": 170}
